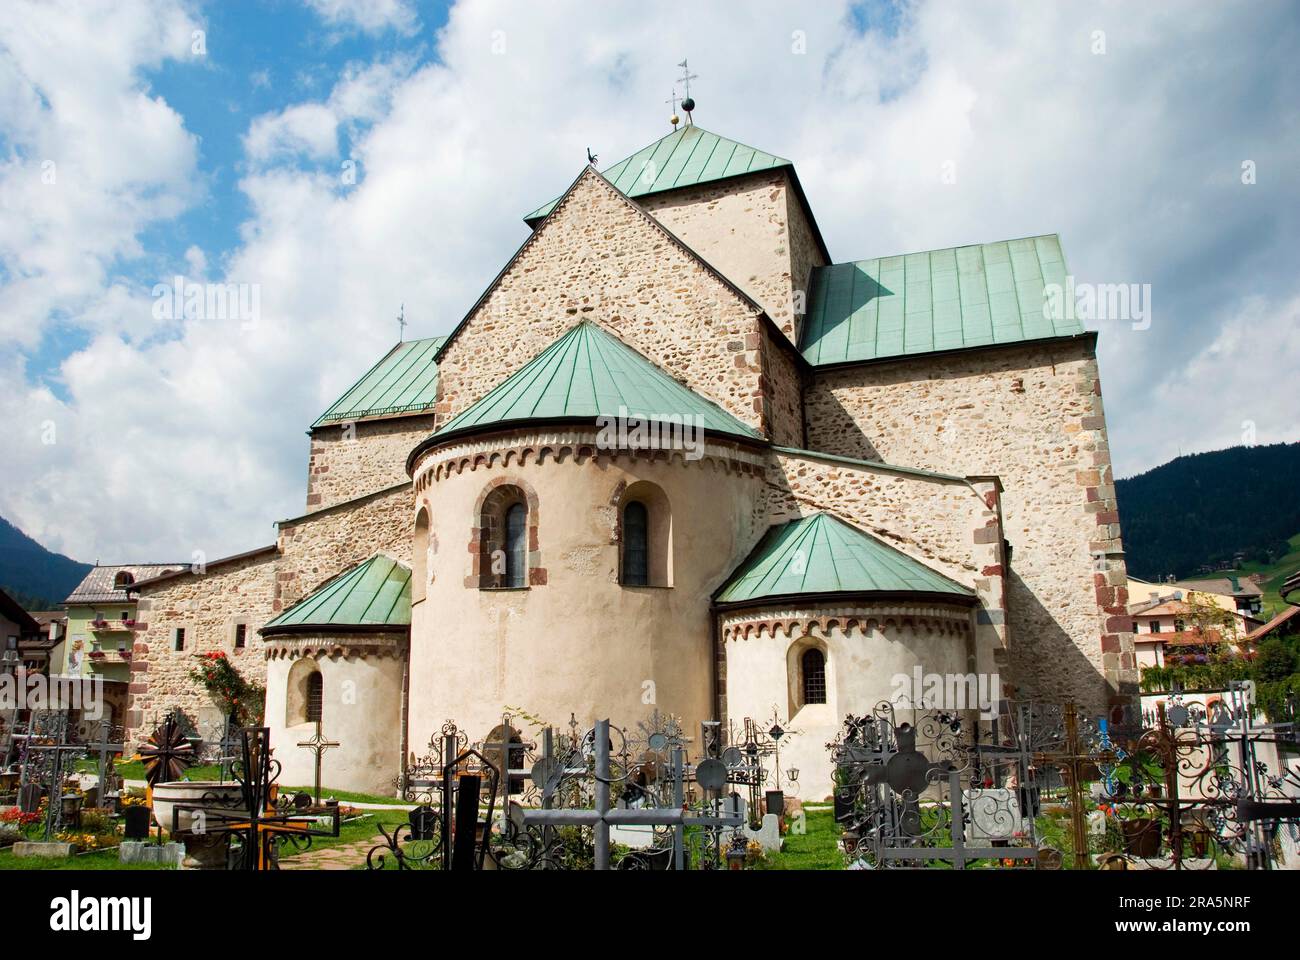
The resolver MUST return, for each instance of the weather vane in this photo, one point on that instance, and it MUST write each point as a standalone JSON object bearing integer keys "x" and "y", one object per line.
{"x": 685, "y": 79}
{"x": 401, "y": 323}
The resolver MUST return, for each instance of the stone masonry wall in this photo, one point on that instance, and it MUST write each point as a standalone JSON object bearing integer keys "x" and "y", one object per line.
{"x": 316, "y": 547}
{"x": 312, "y": 549}
{"x": 349, "y": 460}
{"x": 950, "y": 525}
{"x": 207, "y": 606}
{"x": 751, "y": 229}
{"x": 599, "y": 257}
{"x": 805, "y": 253}
{"x": 1031, "y": 415}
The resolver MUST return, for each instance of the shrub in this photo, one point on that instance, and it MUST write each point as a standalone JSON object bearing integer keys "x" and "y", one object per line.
{"x": 227, "y": 686}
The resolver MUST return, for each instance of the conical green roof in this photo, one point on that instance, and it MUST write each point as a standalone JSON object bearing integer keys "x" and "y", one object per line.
{"x": 589, "y": 373}
{"x": 821, "y": 554}
{"x": 684, "y": 158}
{"x": 376, "y": 593}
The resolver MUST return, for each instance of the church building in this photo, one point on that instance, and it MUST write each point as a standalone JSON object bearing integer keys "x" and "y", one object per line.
{"x": 676, "y": 457}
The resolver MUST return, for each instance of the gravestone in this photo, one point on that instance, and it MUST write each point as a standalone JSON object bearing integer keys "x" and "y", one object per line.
{"x": 768, "y": 833}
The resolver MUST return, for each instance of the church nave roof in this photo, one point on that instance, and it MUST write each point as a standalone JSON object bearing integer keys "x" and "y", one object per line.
{"x": 937, "y": 300}
{"x": 404, "y": 381}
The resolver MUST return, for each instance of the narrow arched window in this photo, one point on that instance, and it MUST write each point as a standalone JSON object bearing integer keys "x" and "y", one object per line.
{"x": 812, "y": 666}
{"x": 315, "y": 696}
{"x": 516, "y": 545}
{"x": 420, "y": 556}
{"x": 636, "y": 548}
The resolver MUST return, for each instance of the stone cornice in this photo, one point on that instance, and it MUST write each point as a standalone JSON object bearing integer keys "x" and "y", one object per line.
{"x": 334, "y": 646}
{"x": 576, "y": 445}
{"x": 860, "y": 618}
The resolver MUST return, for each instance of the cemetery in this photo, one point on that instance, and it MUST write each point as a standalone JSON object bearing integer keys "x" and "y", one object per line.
{"x": 1036, "y": 786}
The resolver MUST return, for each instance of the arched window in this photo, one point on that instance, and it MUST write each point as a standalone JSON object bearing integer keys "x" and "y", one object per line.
{"x": 636, "y": 546}
{"x": 645, "y": 536}
{"x": 420, "y": 556}
{"x": 516, "y": 545}
{"x": 122, "y": 579}
{"x": 304, "y": 693}
{"x": 506, "y": 538}
{"x": 812, "y": 673}
{"x": 315, "y": 696}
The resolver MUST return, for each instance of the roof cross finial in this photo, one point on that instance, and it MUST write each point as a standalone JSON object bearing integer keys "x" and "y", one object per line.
{"x": 672, "y": 101}
{"x": 401, "y": 323}
{"x": 685, "y": 79}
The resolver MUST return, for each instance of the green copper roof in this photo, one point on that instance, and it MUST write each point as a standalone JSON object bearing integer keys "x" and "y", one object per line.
{"x": 938, "y": 300}
{"x": 822, "y": 554}
{"x": 684, "y": 158}
{"x": 404, "y": 381}
{"x": 588, "y": 373}
{"x": 375, "y": 593}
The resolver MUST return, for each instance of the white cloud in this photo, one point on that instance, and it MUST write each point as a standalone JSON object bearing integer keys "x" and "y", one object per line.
{"x": 91, "y": 157}
{"x": 190, "y": 437}
{"x": 372, "y": 16}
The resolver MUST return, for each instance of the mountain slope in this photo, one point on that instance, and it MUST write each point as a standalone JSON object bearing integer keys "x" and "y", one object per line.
{"x": 32, "y": 575}
{"x": 1208, "y": 508}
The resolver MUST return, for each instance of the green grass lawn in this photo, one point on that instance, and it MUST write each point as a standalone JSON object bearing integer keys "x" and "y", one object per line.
{"x": 1273, "y": 574}
{"x": 818, "y": 849}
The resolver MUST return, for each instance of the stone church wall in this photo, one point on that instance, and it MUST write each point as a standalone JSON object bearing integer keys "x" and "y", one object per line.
{"x": 1031, "y": 415}
{"x": 322, "y": 544}
{"x": 949, "y": 524}
{"x": 601, "y": 258}
{"x": 349, "y": 460}
{"x": 251, "y": 590}
{"x": 207, "y": 606}
{"x": 750, "y": 228}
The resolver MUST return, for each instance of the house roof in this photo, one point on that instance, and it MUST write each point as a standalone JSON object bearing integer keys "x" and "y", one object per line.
{"x": 1159, "y": 608}
{"x": 821, "y": 554}
{"x": 1224, "y": 586}
{"x": 374, "y": 595}
{"x": 1282, "y": 618}
{"x": 97, "y": 586}
{"x": 684, "y": 158}
{"x": 404, "y": 381}
{"x": 589, "y": 373}
{"x": 937, "y": 300}
{"x": 12, "y": 610}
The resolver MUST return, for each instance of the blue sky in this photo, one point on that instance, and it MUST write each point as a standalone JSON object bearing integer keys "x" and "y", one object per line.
{"x": 914, "y": 126}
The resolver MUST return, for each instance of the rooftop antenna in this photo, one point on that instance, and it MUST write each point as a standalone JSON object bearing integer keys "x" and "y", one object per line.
{"x": 401, "y": 323}
{"x": 672, "y": 101}
{"x": 685, "y": 79}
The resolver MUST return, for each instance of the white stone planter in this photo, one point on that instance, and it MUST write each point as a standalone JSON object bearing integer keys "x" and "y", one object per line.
{"x": 188, "y": 792}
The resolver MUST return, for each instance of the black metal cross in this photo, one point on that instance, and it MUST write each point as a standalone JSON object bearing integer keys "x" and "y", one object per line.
{"x": 317, "y": 744}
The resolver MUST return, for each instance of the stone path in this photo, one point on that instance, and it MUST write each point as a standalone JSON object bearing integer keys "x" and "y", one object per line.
{"x": 346, "y": 856}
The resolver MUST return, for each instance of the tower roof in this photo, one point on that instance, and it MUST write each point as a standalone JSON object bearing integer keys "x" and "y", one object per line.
{"x": 374, "y": 595}
{"x": 588, "y": 373}
{"x": 404, "y": 381}
{"x": 822, "y": 555}
{"x": 684, "y": 158}
{"x": 937, "y": 300}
